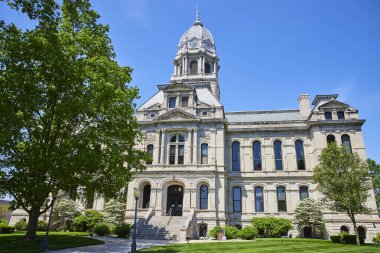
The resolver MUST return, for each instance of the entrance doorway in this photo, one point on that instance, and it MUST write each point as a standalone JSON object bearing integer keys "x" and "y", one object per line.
{"x": 174, "y": 201}
{"x": 307, "y": 232}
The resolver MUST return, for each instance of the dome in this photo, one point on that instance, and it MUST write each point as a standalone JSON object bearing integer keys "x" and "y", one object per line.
{"x": 198, "y": 31}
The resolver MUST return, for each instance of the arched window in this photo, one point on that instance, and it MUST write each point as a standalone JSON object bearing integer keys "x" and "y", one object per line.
{"x": 177, "y": 149}
{"x": 193, "y": 67}
{"x": 146, "y": 196}
{"x": 330, "y": 138}
{"x": 149, "y": 150}
{"x": 300, "y": 155}
{"x": 362, "y": 232}
{"x": 236, "y": 195}
{"x": 203, "y": 194}
{"x": 281, "y": 199}
{"x": 236, "y": 156}
{"x": 180, "y": 69}
{"x": 204, "y": 153}
{"x": 278, "y": 154}
{"x": 207, "y": 68}
{"x": 259, "y": 199}
{"x": 304, "y": 192}
{"x": 344, "y": 229}
{"x": 346, "y": 142}
{"x": 257, "y": 155}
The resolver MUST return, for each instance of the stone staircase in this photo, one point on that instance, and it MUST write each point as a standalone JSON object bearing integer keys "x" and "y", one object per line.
{"x": 162, "y": 228}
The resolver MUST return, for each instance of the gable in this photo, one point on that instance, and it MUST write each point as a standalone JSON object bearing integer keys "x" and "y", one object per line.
{"x": 177, "y": 114}
{"x": 178, "y": 86}
{"x": 334, "y": 104}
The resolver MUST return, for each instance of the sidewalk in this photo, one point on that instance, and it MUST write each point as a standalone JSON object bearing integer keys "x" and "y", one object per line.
{"x": 114, "y": 245}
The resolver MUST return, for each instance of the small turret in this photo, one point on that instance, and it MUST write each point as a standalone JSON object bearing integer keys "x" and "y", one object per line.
{"x": 304, "y": 105}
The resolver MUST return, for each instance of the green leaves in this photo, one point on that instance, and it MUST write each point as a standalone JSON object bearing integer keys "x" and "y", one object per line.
{"x": 308, "y": 213}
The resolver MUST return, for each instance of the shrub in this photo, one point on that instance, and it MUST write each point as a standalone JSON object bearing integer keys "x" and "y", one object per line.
{"x": 351, "y": 239}
{"x": 336, "y": 238}
{"x": 247, "y": 233}
{"x": 376, "y": 239}
{"x": 122, "y": 230}
{"x": 214, "y": 231}
{"x": 80, "y": 223}
{"x": 230, "y": 232}
{"x": 3, "y": 222}
{"x": 5, "y": 229}
{"x": 271, "y": 226}
{"x": 21, "y": 225}
{"x": 88, "y": 220}
{"x": 64, "y": 214}
{"x": 42, "y": 225}
{"x": 102, "y": 229}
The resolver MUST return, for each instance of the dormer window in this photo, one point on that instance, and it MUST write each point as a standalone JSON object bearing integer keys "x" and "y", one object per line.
{"x": 185, "y": 101}
{"x": 340, "y": 115}
{"x": 172, "y": 102}
{"x": 328, "y": 116}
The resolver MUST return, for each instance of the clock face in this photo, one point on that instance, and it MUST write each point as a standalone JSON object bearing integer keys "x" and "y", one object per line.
{"x": 193, "y": 43}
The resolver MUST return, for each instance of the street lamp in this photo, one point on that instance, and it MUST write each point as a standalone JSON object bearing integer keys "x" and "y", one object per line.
{"x": 136, "y": 194}
{"x": 45, "y": 241}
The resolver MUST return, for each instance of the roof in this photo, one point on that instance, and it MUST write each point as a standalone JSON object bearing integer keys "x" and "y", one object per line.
{"x": 198, "y": 31}
{"x": 319, "y": 98}
{"x": 264, "y": 116}
{"x": 157, "y": 98}
{"x": 205, "y": 96}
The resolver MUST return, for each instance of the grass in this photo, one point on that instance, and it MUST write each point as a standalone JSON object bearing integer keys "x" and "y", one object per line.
{"x": 266, "y": 246}
{"x": 15, "y": 242}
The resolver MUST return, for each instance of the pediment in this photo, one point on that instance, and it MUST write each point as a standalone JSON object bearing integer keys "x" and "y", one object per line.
{"x": 334, "y": 104}
{"x": 177, "y": 114}
{"x": 178, "y": 86}
{"x": 154, "y": 107}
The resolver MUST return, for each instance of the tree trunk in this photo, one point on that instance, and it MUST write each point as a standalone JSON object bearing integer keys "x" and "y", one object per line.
{"x": 31, "y": 232}
{"x": 356, "y": 230}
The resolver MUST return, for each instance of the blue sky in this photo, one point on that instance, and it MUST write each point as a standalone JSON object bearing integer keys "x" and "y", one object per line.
{"x": 270, "y": 51}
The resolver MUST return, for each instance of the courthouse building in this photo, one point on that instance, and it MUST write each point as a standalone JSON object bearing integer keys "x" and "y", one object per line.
{"x": 212, "y": 167}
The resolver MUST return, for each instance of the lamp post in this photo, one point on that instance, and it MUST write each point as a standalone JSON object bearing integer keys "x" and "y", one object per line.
{"x": 45, "y": 241}
{"x": 136, "y": 194}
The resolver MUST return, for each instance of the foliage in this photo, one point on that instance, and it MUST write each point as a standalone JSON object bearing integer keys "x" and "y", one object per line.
{"x": 3, "y": 222}
{"x": 248, "y": 233}
{"x": 376, "y": 239}
{"x": 88, "y": 220}
{"x": 308, "y": 213}
{"x": 351, "y": 239}
{"x": 271, "y": 227}
{"x": 6, "y": 229}
{"x": 374, "y": 170}
{"x": 230, "y": 232}
{"x": 66, "y": 109}
{"x": 122, "y": 230}
{"x": 102, "y": 229}
{"x": 114, "y": 211}
{"x": 42, "y": 225}
{"x": 4, "y": 210}
{"x": 343, "y": 180}
{"x": 64, "y": 214}
{"x": 336, "y": 238}
{"x": 21, "y": 225}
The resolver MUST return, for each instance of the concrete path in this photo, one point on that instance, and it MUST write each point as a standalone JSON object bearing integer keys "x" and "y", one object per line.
{"x": 114, "y": 245}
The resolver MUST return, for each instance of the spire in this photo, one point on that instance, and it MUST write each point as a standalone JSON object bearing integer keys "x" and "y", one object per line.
{"x": 197, "y": 20}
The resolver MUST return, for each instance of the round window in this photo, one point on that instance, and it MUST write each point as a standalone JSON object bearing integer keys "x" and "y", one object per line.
{"x": 204, "y": 113}
{"x": 152, "y": 115}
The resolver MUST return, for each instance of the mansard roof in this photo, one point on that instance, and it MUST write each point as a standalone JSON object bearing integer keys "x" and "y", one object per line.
{"x": 264, "y": 116}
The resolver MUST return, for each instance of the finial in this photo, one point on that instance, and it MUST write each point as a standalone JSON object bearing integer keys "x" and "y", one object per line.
{"x": 196, "y": 11}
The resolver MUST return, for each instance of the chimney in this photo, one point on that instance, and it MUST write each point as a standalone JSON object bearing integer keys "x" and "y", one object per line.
{"x": 304, "y": 105}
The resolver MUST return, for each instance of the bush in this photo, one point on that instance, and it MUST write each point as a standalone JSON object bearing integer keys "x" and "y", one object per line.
{"x": 122, "y": 230}
{"x": 376, "y": 239}
{"x": 230, "y": 232}
{"x": 351, "y": 239}
{"x": 336, "y": 238}
{"x": 3, "y": 222}
{"x": 102, "y": 229}
{"x": 21, "y": 225}
{"x": 248, "y": 233}
{"x": 87, "y": 221}
{"x": 42, "y": 225}
{"x": 271, "y": 226}
{"x": 5, "y": 229}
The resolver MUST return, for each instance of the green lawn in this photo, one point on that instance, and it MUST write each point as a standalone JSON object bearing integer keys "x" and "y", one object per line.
{"x": 15, "y": 242}
{"x": 267, "y": 246}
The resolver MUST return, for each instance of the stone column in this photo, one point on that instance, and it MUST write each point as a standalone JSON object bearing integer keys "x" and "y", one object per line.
{"x": 188, "y": 147}
{"x": 211, "y": 199}
{"x": 153, "y": 196}
{"x": 163, "y": 144}
{"x": 156, "y": 150}
{"x": 186, "y": 199}
{"x": 195, "y": 147}
{"x": 158, "y": 200}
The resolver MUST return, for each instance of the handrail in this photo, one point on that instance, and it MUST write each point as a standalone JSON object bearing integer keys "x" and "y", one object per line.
{"x": 169, "y": 213}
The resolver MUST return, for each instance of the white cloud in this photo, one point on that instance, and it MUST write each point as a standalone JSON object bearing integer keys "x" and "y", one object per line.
{"x": 136, "y": 10}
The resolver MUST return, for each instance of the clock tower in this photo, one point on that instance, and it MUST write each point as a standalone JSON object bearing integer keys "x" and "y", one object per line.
{"x": 196, "y": 62}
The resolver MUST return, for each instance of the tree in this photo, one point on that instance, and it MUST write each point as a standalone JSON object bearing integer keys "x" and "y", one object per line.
{"x": 308, "y": 213}
{"x": 66, "y": 110}
{"x": 374, "y": 170}
{"x": 114, "y": 211}
{"x": 64, "y": 213}
{"x": 343, "y": 179}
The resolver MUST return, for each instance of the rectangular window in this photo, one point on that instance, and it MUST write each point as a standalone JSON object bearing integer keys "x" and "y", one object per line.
{"x": 340, "y": 115}
{"x": 328, "y": 115}
{"x": 181, "y": 154}
{"x": 172, "y": 102}
{"x": 259, "y": 199}
{"x": 236, "y": 199}
{"x": 204, "y": 153}
{"x": 304, "y": 193}
{"x": 281, "y": 199}
{"x": 149, "y": 150}
{"x": 172, "y": 154}
{"x": 90, "y": 199}
{"x": 185, "y": 101}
